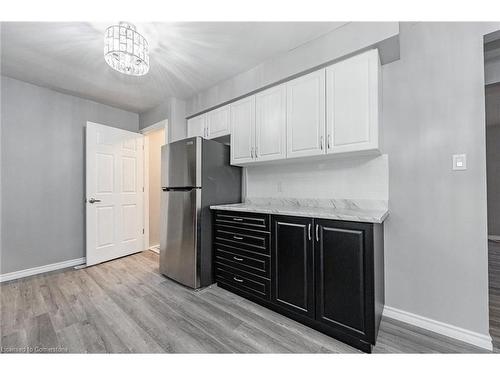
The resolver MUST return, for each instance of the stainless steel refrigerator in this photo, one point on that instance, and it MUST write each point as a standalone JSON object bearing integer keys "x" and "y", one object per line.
{"x": 195, "y": 174}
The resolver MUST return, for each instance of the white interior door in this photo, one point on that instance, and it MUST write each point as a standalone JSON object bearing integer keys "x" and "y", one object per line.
{"x": 114, "y": 174}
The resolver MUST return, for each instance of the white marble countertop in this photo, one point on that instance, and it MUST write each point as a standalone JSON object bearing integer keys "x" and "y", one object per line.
{"x": 369, "y": 211}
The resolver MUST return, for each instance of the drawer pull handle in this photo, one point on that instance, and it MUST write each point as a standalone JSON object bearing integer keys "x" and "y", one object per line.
{"x": 237, "y": 238}
{"x": 238, "y": 259}
{"x": 238, "y": 280}
{"x": 237, "y": 219}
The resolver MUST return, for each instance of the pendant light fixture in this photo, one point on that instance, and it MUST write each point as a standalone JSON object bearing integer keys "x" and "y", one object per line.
{"x": 125, "y": 50}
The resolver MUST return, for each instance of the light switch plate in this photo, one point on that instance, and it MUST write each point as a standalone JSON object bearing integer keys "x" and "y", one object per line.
{"x": 459, "y": 162}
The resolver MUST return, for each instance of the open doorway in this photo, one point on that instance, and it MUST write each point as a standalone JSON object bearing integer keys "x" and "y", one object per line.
{"x": 492, "y": 102}
{"x": 155, "y": 137}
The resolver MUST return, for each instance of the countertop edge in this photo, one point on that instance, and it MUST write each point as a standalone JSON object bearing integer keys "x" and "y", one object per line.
{"x": 284, "y": 211}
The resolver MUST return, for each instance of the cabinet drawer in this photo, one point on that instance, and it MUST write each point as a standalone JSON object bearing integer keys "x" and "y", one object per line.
{"x": 246, "y": 220}
{"x": 243, "y": 239}
{"x": 243, "y": 281}
{"x": 242, "y": 260}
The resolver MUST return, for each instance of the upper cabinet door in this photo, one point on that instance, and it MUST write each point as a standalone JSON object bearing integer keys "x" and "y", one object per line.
{"x": 306, "y": 115}
{"x": 270, "y": 124}
{"x": 218, "y": 122}
{"x": 352, "y": 92}
{"x": 243, "y": 130}
{"x": 196, "y": 126}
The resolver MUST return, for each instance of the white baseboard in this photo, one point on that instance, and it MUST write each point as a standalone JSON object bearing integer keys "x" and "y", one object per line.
{"x": 41, "y": 269}
{"x": 156, "y": 249}
{"x": 493, "y": 237}
{"x": 470, "y": 337}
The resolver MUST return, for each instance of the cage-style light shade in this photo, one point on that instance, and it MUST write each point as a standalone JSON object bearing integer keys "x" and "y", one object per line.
{"x": 125, "y": 50}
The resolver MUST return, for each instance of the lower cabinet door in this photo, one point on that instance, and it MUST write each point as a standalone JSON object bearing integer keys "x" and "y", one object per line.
{"x": 344, "y": 286}
{"x": 292, "y": 264}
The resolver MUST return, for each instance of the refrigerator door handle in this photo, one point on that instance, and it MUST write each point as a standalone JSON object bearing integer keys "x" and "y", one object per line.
{"x": 184, "y": 188}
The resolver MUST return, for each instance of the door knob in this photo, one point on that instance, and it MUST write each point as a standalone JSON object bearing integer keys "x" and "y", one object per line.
{"x": 93, "y": 200}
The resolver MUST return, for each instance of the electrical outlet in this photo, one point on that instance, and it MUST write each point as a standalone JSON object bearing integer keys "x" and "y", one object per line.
{"x": 459, "y": 162}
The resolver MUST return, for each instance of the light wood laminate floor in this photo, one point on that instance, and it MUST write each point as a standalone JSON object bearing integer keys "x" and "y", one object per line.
{"x": 126, "y": 306}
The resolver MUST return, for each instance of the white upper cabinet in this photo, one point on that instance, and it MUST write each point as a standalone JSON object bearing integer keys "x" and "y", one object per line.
{"x": 243, "y": 131}
{"x": 270, "y": 124}
{"x": 196, "y": 126}
{"x": 329, "y": 111}
{"x": 352, "y": 109}
{"x": 218, "y": 122}
{"x": 305, "y": 120}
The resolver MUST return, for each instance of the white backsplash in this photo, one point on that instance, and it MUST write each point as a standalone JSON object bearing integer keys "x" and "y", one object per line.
{"x": 362, "y": 178}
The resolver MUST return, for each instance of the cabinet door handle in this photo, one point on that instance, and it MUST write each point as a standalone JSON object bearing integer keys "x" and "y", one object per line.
{"x": 321, "y": 142}
{"x": 237, "y": 238}
{"x": 317, "y": 233}
{"x": 251, "y": 152}
{"x": 256, "y": 152}
{"x": 238, "y": 259}
{"x": 328, "y": 141}
{"x": 238, "y": 280}
{"x": 309, "y": 231}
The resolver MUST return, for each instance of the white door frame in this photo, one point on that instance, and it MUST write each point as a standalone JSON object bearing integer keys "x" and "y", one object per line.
{"x": 157, "y": 126}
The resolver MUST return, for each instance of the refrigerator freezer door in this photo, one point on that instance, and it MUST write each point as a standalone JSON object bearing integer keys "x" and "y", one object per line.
{"x": 181, "y": 163}
{"x": 178, "y": 241}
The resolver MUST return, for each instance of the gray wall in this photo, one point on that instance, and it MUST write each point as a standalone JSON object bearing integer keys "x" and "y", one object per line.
{"x": 174, "y": 110}
{"x": 433, "y": 105}
{"x": 436, "y": 235}
{"x": 43, "y": 166}
{"x": 177, "y": 123}
{"x": 493, "y": 168}
{"x": 154, "y": 115}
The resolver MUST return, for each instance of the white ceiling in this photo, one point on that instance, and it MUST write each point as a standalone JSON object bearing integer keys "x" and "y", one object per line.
{"x": 185, "y": 57}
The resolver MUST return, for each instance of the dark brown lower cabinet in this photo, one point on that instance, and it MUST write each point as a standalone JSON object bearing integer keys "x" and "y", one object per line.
{"x": 326, "y": 274}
